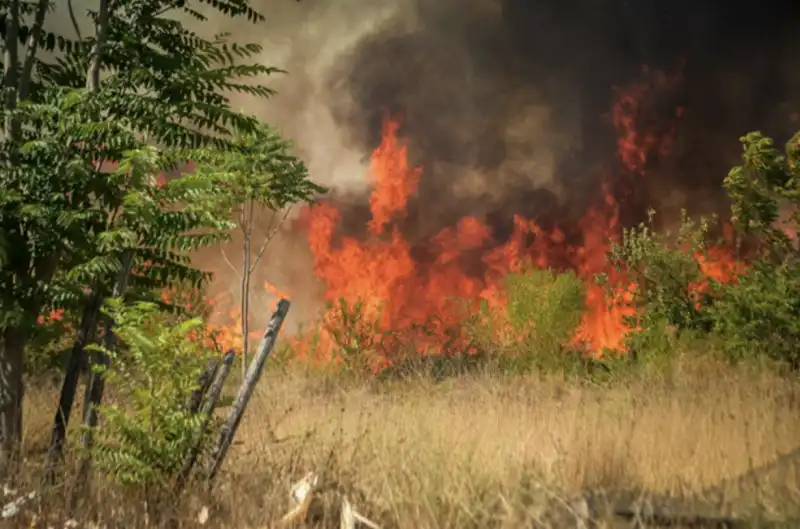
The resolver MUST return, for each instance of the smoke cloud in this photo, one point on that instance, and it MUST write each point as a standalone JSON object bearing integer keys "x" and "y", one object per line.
{"x": 506, "y": 103}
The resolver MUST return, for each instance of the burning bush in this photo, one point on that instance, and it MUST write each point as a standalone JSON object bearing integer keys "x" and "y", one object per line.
{"x": 541, "y": 318}
{"x": 537, "y": 294}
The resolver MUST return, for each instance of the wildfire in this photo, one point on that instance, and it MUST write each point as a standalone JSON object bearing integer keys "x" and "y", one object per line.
{"x": 224, "y": 316}
{"x": 395, "y": 294}
{"x": 400, "y": 294}
{"x": 640, "y": 138}
{"x": 381, "y": 299}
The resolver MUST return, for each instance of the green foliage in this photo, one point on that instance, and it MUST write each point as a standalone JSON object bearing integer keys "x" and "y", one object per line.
{"x": 163, "y": 85}
{"x": 260, "y": 170}
{"x": 147, "y": 431}
{"x": 544, "y": 307}
{"x": 754, "y": 316}
{"x": 766, "y": 181}
{"x": 78, "y": 166}
{"x": 758, "y": 316}
{"x": 163, "y": 79}
{"x": 543, "y": 311}
{"x": 666, "y": 272}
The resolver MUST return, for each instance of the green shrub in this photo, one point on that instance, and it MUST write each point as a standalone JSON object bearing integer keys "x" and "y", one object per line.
{"x": 759, "y": 316}
{"x": 665, "y": 272}
{"x": 545, "y": 307}
{"x": 543, "y": 311}
{"x": 146, "y": 429}
{"x": 357, "y": 335}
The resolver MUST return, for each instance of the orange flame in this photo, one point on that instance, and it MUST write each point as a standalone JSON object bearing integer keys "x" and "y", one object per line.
{"x": 381, "y": 299}
{"x": 400, "y": 294}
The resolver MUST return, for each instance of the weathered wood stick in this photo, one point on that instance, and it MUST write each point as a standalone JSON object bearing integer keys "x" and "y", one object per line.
{"x": 208, "y": 409}
{"x": 247, "y": 388}
{"x": 203, "y": 383}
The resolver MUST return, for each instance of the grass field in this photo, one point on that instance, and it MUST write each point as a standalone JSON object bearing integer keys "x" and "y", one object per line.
{"x": 484, "y": 451}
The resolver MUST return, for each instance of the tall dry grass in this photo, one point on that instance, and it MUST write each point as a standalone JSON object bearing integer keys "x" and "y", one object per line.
{"x": 484, "y": 451}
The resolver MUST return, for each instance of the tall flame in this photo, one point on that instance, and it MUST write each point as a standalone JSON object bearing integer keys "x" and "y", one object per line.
{"x": 402, "y": 294}
{"x": 376, "y": 290}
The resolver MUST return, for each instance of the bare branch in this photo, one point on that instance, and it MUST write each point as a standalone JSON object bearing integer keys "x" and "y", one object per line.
{"x": 269, "y": 236}
{"x": 74, "y": 20}
{"x": 272, "y": 218}
{"x": 228, "y": 261}
{"x": 32, "y": 47}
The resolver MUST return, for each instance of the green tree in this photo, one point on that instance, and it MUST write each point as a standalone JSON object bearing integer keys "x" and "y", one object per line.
{"x": 767, "y": 182}
{"x": 261, "y": 177}
{"x": 141, "y": 79}
{"x": 23, "y": 293}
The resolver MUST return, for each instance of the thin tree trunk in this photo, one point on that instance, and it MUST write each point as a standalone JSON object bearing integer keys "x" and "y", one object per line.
{"x": 11, "y": 72}
{"x": 101, "y": 29}
{"x": 32, "y": 47}
{"x": 69, "y": 387}
{"x": 245, "y": 300}
{"x": 12, "y": 341}
{"x": 12, "y": 371}
{"x": 96, "y": 386}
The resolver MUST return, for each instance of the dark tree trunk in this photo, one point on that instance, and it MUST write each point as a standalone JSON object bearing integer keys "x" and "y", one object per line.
{"x": 97, "y": 383}
{"x": 68, "y": 389}
{"x": 12, "y": 371}
{"x": 12, "y": 340}
{"x": 214, "y": 393}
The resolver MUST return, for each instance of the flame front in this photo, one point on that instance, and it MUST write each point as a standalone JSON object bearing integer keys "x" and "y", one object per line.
{"x": 377, "y": 292}
{"x": 401, "y": 294}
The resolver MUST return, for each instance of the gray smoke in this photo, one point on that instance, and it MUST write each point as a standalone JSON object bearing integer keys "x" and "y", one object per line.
{"x": 506, "y": 103}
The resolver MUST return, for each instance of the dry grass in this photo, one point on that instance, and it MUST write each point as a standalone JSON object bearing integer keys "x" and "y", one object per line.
{"x": 478, "y": 451}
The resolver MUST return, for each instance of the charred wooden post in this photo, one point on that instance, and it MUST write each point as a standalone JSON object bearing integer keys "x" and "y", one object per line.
{"x": 247, "y": 388}
{"x": 208, "y": 410}
{"x": 203, "y": 383}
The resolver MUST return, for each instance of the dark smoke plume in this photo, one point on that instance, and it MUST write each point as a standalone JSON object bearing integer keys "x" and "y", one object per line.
{"x": 506, "y": 103}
